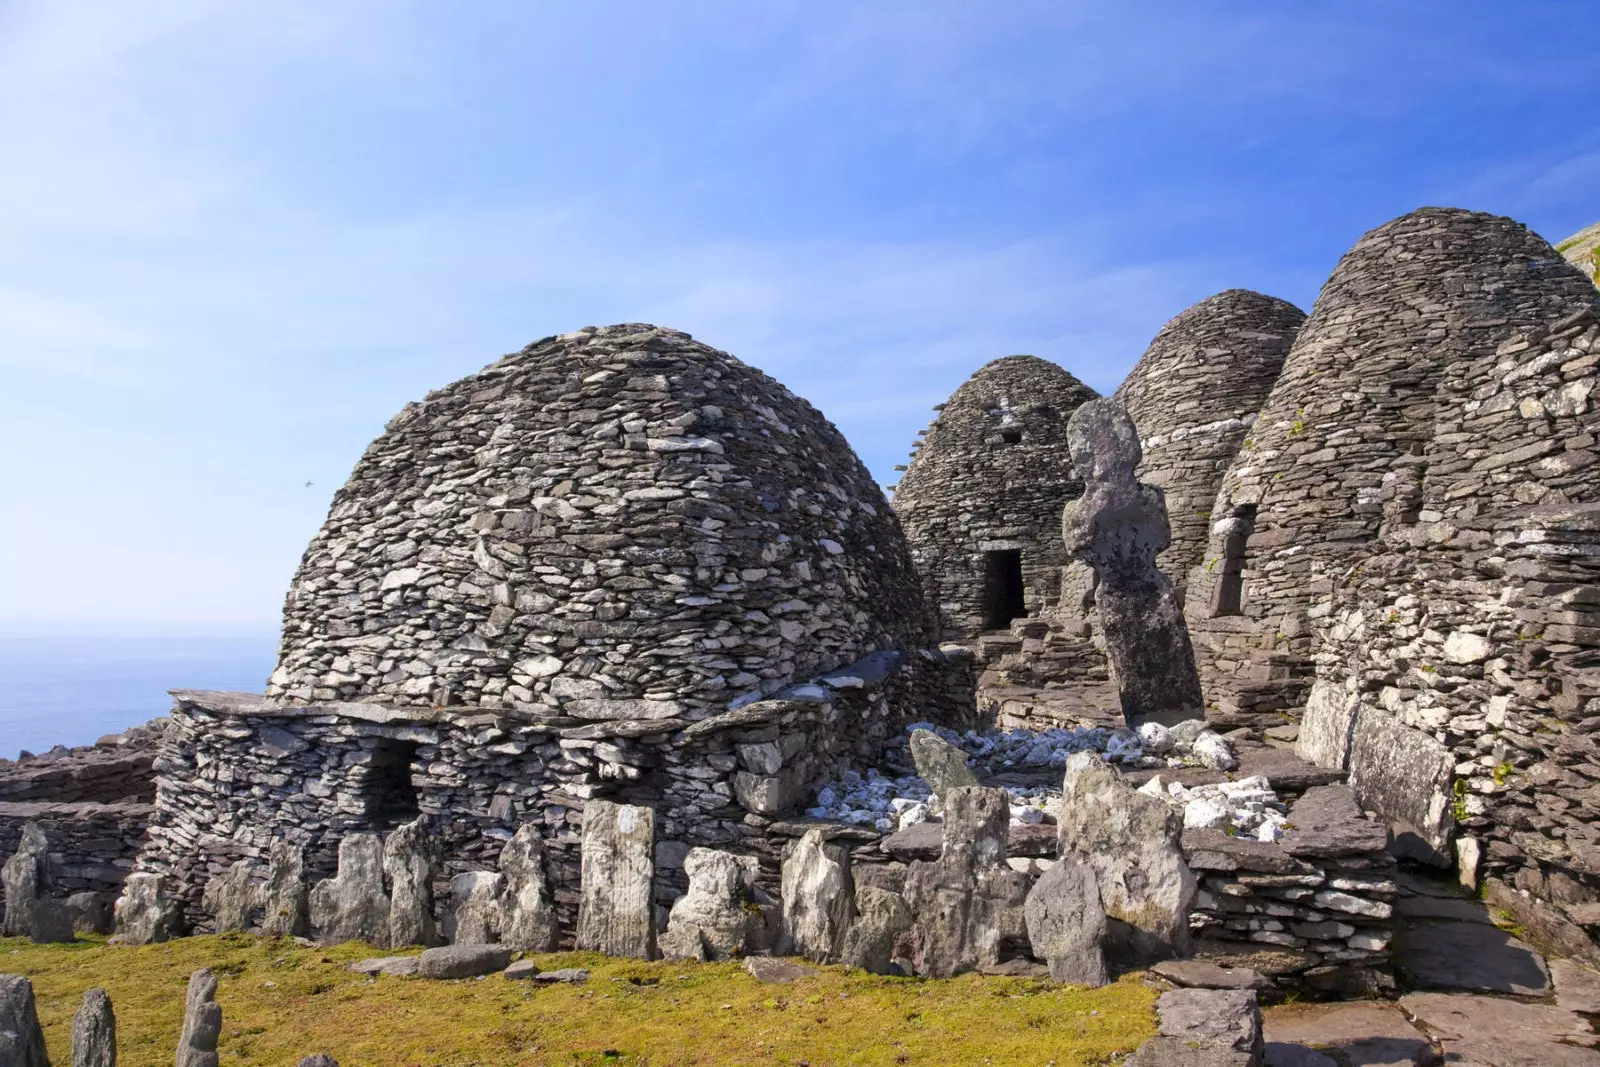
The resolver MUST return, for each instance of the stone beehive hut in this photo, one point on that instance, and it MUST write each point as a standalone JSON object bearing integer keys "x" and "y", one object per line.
{"x": 981, "y": 499}
{"x": 616, "y": 523}
{"x": 616, "y": 564}
{"x": 1336, "y": 455}
{"x": 1194, "y": 395}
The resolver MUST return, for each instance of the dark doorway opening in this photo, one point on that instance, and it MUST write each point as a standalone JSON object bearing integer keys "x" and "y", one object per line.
{"x": 1229, "y": 596}
{"x": 390, "y": 795}
{"x": 1011, "y": 437}
{"x": 1003, "y": 598}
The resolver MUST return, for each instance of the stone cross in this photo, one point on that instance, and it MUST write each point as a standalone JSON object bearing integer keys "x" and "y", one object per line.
{"x": 1117, "y": 527}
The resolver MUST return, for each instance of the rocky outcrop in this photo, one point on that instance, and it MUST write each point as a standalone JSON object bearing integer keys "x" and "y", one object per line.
{"x": 967, "y": 906}
{"x": 528, "y": 912}
{"x": 285, "y": 904}
{"x": 202, "y": 1022}
{"x": 1132, "y": 843}
{"x": 711, "y": 921}
{"x": 1066, "y": 924}
{"x": 1117, "y": 527}
{"x": 409, "y": 862}
{"x": 616, "y": 915}
{"x": 94, "y": 1031}
{"x": 31, "y": 909}
{"x": 818, "y": 897}
{"x": 147, "y": 912}
{"x": 233, "y": 898}
{"x": 352, "y": 906}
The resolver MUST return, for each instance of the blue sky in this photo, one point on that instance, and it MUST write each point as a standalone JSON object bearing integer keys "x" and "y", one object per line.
{"x": 236, "y": 237}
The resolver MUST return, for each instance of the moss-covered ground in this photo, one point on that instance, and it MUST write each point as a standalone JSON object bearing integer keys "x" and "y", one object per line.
{"x": 281, "y": 1001}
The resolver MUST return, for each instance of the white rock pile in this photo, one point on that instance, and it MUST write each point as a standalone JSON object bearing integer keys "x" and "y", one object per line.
{"x": 1246, "y": 808}
{"x": 888, "y": 803}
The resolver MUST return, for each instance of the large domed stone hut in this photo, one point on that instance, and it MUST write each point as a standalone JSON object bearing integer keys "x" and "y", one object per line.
{"x": 1194, "y": 395}
{"x": 618, "y": 563}
{"x": 982, "y": 496}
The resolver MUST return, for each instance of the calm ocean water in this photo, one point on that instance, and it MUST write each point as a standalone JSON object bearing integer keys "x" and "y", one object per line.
{"x": 69, "y": 689}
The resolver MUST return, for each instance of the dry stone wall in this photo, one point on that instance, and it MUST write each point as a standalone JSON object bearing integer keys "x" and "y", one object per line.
{"x": 618, "y": 523}
{"x": 991, "y": 478}
{"x": 1194, "y": 395}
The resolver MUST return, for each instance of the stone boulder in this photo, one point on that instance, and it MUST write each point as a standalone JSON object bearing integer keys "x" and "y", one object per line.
{"x": 710, "y": 921}
{"x": 352, "y": 906}
{"x": 21, "y": 1036}
{"x": 818, "y": 897}
{"x": 529, "y": 919}
{"x": 31, "y": 911}
{"x": 202, "y": 1022}
{"x": 409, "y": 861}
{"x": 463, "y": 961}
{"x": 967, "y": 906}
{"x": 146, "y": 912}
{"x": 939, "y": 763}
{"x": 285, "y": 908}
{"x": 476, "y": 916}
{"x": 616, "y": 909}
{"x": 881, "y": 918}
{"x": 94, "y": 1031}
{"x": 1066, "y": 924}
{"x": 89, "y": 912}
{"x": 1205, "y": 1028}
{"x": 321, "y": 1059}
{"x": 1131, "y": 843}
{"x": 232, "y": 898}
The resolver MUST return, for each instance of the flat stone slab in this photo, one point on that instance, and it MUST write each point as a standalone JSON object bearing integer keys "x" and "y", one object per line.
{"x": 1577, "y": 986}
{"x": 1201, "y": 974}
{"x": 1468, "y": 956}
{"x": 925, "y": 840}
{"x": 522, "y": 970}
{"x": 567, "y": 975}
{"x": 1455, "y": 909}
{"x": 386, "y": 965}
{"x": 1327, "y": 821}
{"x": 1371, "y": 1033}
{"x": 463, "y": 961}
{"x": 774, "y": 970}
{"x": 1178, "y": 1052}
{"x": 1491, "y": 1032}
{"x": 1016, "y": 969}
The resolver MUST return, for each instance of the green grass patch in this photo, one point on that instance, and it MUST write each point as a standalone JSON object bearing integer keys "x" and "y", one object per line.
{"x": 281, "y": 1002}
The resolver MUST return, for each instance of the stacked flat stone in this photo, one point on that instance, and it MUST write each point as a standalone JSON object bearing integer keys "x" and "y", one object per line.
{"x": 1457, "y": 667}
{"x": 1194, "y": 395}
{"x": 1338, "y": 449}
{"x": 992, "y": 474}
{"x": 617, "y": 523}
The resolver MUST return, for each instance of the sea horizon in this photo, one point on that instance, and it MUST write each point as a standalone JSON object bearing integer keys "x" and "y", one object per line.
{"x": 69, "y": 684}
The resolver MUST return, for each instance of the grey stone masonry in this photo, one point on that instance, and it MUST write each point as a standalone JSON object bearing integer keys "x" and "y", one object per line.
{"x": 1194, "y": 396}
{"x": 990, "y": 480}
{"x": 620, "y": 523}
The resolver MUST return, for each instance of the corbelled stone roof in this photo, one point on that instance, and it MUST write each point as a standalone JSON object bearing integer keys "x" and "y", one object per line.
{"x": 620, "y": 522}
{"x": 1194, "y": 395}
{"x": 992, "y": 470}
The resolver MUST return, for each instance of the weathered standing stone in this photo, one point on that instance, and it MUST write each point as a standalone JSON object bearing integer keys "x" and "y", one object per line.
{"x": 285, "y": 911}
{"x": 616, "y": 913}
{"x": 352, "y": 906}
{"x": 202, "y": 1022}
{"x": 710, "y": 922}
{"x": 881, "y": 917}
{"x": 1131, "y": 842}
{"x": 818, "y": 899}
{"x": 231, "y": 898}
{"x": 146, "y": 912}
{"x": 94, "y": 1031}
{"x": 1117, "y": 527}
{"x": 529, "y": 921}
{"x": 1066, "y": 924}
{"x": 967, "y": 905}
{"x": 942, "y": 765}
{"x": 31, "y": 911}
{"x": 408, "y": 860}
{"x": 476, "y": 913}
{"x": 21, "y": 1037}
{"x": 89, "y": 912}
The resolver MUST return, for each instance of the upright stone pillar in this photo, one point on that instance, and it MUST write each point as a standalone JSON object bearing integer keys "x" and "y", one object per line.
{"x": 616, "y": 912}
{"x": 31, "y": 910}
{"x": 21, "y": 1037}
{"x": 284, "y": 906}
{"x": 818, "y": 896}
{"x": 202, "y": 1022}
{"x": 94, "y": 1031}
{"x": 146, "y": 912}
{"x": 529, "y": 911}
{"x": 1117, "y": 527}
{"x": 232, "y": 898}
{"x": 408, "y": 860}
{"x": 352, "y": 906}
